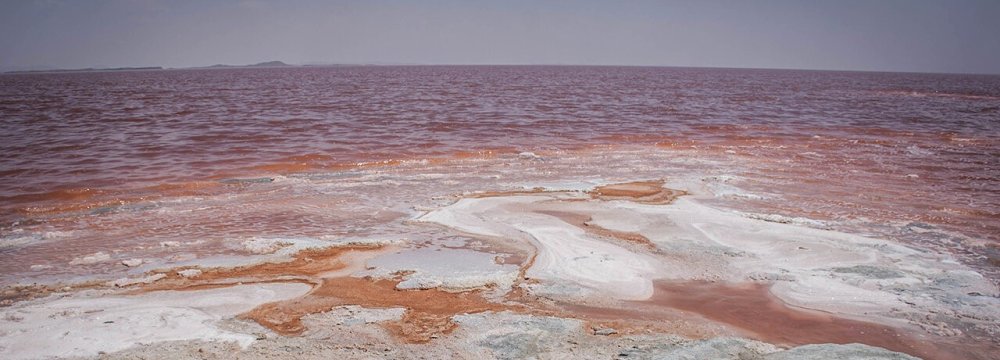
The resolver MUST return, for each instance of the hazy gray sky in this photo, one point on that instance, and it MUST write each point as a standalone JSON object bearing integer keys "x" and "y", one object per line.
{"x": 895, "y": 35}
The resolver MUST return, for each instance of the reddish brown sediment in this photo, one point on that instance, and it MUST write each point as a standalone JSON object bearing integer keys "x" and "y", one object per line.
{"x": 74, "y": 195}
{"x": 749, "y": 308}
{"x": 752, "y": 308}
{"x": 635, "y": 318}
{"x": 305, "y": 166}
{"x": 645, "y": 192}
{"x": 479, "y": 154}
{"x": 306, "y": 266}
{"x": 322, "y": 162}
{"x": 91, "y": 203}
{"x": 428, "y": 312}
{"x": 16, "y": 293}
{"x": 511, "y": 259}
{"x": 746, "y": 309}
{"x": 183, "y": 188}
{"x": 309, "y": 158}
{"x": 583, "y": 221}
{"x": 532, "y": 191}
{"x": 631, "y": 237}
{"x": 505, "y": 254}
{"x": 80, "y": 199}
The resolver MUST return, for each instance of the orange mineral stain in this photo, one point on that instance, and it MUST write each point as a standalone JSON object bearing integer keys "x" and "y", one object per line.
{"x": 645, "y": 192}
{"x": 428, "y": 312}
{"x": 752, "y": 309}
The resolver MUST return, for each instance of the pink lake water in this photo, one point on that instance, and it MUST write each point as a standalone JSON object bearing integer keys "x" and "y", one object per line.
{"x": 180, "y": 165}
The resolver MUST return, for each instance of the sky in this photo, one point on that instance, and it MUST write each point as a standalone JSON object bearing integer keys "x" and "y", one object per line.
{"x": 955, "y": 36}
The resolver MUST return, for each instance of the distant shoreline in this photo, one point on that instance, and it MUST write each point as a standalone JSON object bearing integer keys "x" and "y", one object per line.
{"x": 145, "y": 68}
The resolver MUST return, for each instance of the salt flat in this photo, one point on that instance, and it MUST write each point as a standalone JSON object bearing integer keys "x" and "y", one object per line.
{"x": 612, "y": 248}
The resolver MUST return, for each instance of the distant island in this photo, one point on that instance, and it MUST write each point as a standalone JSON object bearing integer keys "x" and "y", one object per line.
{"x": 266, "y": 64}
{"x": 263, "y": 64}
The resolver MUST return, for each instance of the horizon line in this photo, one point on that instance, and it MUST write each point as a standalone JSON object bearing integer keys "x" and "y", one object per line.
{"x": 387, "y": 64}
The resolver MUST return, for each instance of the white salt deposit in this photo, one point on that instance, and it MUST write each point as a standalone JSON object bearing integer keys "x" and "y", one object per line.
{"x": 132, "y": 262}
{"x": 565, "y": 252}
{"x": 528, "y": 155}
{"x": 354, "y": 315}
{"x": 813, "y": 268}
{"x": 91, "y": 259}
{"x": 189, "y": 273}
{"x": 123, "y": 282}
{"x": 85, "y": 324}
{"x": 451, "y": 269}
{"x": 261, "y": 246}
{"x": 723, "y": 190}
{"x": 17, "y": 238}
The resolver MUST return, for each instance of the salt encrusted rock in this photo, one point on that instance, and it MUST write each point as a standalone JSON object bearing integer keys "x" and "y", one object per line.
{"x": 132, "y": 262}
{"x": 770, "y": 276}
{"x": 263, "y": 246}
{"x": 39, "y": 267}
{"x": 781, "y": 219}
{"x": 418, "y": 283}
{"x": 835, "y": 351}
{"x": 91, "y": 259}
{"x": 123, "y": 282}
{"x": 735, "y": 348}
{"x": 507, "y": 335}
{"x": 872, "y": 272}
{"x": 605, "y": 331}
{"x": 189, "y": 273}
{"x": 260, "y": 180}
{"x": 170, "y": 244}
{"x": 528, "y": 155}
{"x": 353, "y": 315}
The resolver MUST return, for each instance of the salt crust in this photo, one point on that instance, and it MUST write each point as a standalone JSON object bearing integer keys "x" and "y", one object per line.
{"x": 87, "y": 323}
{"x": 701, "y": 243}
